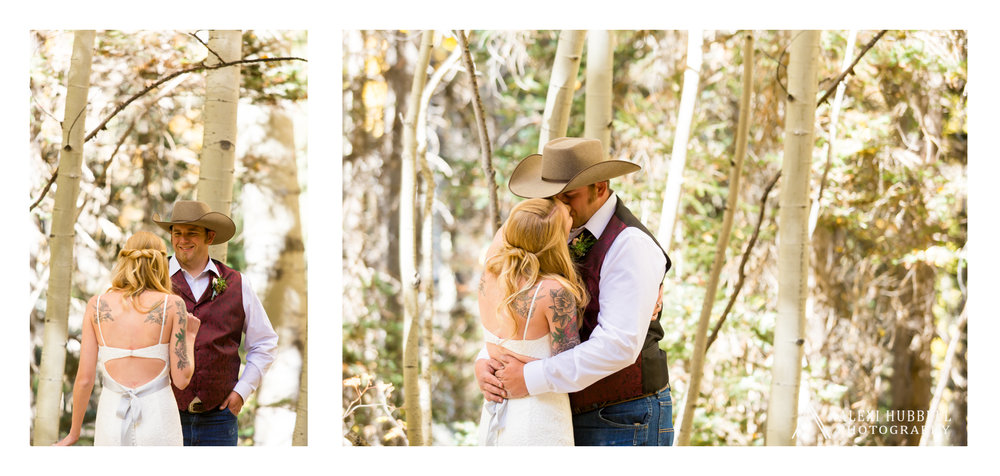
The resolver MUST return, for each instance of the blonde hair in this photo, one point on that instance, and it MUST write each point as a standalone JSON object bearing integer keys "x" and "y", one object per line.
{"x": 141, "y": 266}
{"x": 534, "y": 246}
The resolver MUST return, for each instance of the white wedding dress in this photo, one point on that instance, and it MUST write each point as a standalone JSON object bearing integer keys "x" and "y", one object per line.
{"x": 143, "y": 416}
{"x": 535, "y": 420}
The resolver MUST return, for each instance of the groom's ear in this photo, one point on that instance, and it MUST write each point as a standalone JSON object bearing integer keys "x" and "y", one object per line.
{"x": 209, "y": 237}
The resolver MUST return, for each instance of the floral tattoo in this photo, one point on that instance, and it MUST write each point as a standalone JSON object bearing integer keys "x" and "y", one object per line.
{"x": 565, "y": 332}
{"x": 180, "y": 348}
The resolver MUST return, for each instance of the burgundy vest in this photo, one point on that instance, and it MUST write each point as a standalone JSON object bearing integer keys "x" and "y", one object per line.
{"x": 648, "y": 374}
{"x": 216, "y": 349}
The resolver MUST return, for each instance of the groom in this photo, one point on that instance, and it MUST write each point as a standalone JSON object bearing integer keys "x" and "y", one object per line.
{"x": 617, "y": 377}
{"x": 228, "y": 308}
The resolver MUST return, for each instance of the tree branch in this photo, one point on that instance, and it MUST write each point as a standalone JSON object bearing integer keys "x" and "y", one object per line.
{"x": 210, "y": 50}
{"x": 159, "y": 82}
{"x": 743, "y": 262}
{"x": 484, "y": 137}
{"x": 850, "y": 69}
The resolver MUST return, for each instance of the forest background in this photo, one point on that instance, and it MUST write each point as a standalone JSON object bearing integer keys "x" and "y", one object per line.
{"x": 888, "y": 268}
{"x": 325, "y": 44}
{"x": 149, "y": 155}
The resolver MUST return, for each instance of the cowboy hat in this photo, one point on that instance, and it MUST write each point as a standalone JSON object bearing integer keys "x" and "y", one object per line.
{"x": 564, "y": 164}
{"x": 190, "y": 212}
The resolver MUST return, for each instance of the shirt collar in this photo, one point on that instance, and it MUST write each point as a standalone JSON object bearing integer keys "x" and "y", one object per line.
{"x": 175, "y": 266}
{"x": 599, "y": 221}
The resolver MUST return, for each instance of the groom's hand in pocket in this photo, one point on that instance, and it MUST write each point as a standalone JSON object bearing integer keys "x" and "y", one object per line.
{"x": 489, "y": 384}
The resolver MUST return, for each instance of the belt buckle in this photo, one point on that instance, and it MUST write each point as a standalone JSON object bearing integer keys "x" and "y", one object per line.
{"x": 196, "y": 406}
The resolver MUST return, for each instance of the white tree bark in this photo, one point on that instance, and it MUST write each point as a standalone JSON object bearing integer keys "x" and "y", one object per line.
{"x": 218, "y": 153}
{"x": 735, "y": 174}
{"x": 678, "y": 153}
{"x": 408, "y": 270}
{"x": 831, "y": 134}
{"x": 57, "y": 298}
{"x": 555, "y": 119}
{"x": 597, "y": 105}
{"x": 793, "y": 239}
{"x": 275, "y": 251}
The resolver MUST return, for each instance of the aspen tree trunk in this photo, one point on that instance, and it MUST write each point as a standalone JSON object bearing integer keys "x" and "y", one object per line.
{"x": 698, "y": 359}
{"x": 493, "y": 206}
{"x": 555, "y": 119}
{"x": 831, "y": 134}
{"x": 678, "y": 154}
{"x": 218, "y": 149}
{"x": 427, "y": 316}
{"x": 427, "y": 242}
{"x": 597, "y": 106}
{"x": 53, "y": 364}
{"x": 409, "y": 275}
{"x": 275, "y": 251}
{"x": 793, "y": 239}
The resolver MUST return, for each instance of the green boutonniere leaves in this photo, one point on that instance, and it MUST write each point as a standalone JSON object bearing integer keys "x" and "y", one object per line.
{"x": 218, "y": 286}
{"x": 580, "y": 245}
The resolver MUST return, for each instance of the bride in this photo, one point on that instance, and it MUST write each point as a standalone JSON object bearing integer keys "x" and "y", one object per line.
{"x": 529, "y": 299}
{"x": 141, "y": 337}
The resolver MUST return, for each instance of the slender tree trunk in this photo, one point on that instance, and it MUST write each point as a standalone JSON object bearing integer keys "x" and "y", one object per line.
{"x": 555, "y": 119}
{"x": 493, "y": 206}
{"x": 427, "y": 243}
{"x": 218, "y": 153}
{"x": 831, "y": 134}
{"x": 943, "y": 377}
{"x": 735, "y": 173}
{"x": 793, "y": 239}
{"x": 275, "y": 252}
{"x": 409, "y": 274}
{"x": 678, "y": 153}
{"x": 50, "y": 375}
{"x": 597, "y": 106}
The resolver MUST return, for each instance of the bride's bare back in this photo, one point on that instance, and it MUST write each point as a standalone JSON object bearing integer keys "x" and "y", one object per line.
{"x": 554, "y": 311}
{"x": 145, "y": 323}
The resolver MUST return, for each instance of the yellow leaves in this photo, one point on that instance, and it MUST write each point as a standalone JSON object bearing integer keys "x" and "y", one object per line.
{"x": 938, "y": 347}
{"x": 374, "y": 95}
{"x": 449, "y": 43}
{"x": 179, "y": 124}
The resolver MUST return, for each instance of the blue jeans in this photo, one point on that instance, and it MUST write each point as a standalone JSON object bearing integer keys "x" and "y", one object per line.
{"x": 647, "y": 421}
{"x": 211, "y": 428}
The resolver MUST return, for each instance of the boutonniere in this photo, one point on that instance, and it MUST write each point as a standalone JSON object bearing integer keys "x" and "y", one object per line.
{"x": 580, "y": 245}
{"x": 218, "y": 286}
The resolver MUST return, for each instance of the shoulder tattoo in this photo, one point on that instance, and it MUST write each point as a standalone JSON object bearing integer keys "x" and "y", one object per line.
{"x": 565, "y": 332}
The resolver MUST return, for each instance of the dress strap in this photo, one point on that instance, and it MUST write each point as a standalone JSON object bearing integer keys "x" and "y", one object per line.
{"x": 97, "y": 317}
{"x": 163, "y": 321}
{"x": 531, "y": 311}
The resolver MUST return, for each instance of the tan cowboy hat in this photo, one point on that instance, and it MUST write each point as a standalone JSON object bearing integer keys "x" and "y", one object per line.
{"x": 564, "y": 164}
{"x": 190, "y": 212}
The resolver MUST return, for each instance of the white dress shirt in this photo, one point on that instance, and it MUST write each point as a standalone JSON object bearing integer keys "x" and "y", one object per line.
{"x": 261, "y": 340}
{"x": 630, "y": 281}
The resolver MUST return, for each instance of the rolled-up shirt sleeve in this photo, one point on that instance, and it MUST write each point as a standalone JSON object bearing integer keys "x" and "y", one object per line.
{"x": 261, "y": 342}
{"x": 630, "y": 281}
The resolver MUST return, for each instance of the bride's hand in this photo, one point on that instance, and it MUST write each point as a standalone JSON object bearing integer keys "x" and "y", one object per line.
{"x": 193, "y": 324}
{"x": 488, "y": 383}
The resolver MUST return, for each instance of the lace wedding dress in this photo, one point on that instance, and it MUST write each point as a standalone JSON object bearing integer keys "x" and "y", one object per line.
{"x": 535, "y": 420}
{"x": 142, "y": 416}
